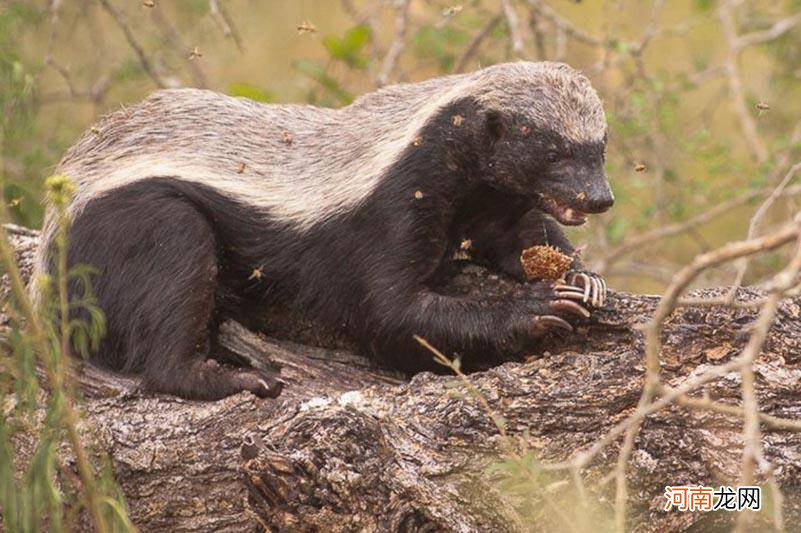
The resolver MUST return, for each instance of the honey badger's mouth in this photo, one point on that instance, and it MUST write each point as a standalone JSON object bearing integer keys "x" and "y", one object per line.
{"x": 565, "y": 214}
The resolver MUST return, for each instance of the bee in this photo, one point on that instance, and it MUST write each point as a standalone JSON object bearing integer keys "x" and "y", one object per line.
{"x": 306, "y": 27}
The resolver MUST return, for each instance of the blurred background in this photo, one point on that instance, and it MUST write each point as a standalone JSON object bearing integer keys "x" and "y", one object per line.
{"x": 703, "y": 97}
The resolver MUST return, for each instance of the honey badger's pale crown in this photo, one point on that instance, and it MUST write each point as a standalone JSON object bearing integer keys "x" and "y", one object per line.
{"x": 301, "y": 164}
{"x": 553, "y": 96}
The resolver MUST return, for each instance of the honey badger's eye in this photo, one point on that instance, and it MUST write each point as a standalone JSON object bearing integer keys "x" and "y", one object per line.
{"x": 552, "y": 157}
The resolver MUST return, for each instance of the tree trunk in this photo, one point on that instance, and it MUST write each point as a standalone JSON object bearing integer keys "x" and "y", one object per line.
{"x": 350, "y": 447}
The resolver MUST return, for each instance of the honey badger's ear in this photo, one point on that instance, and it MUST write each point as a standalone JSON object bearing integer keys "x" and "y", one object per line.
{"x": 494, "y": 124}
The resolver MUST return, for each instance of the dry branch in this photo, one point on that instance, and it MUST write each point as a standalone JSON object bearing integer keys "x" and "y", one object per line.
{"x": 398, "y": 42}
{"x": 475, "y": 43}
{"x": 732, "y": 69}
{"x": 513, "y": 26}
{"x": 223, "y": 20}
{"x": 712, "y": 213}
{"x": 547, "y": 12}
{"x": 144, "y": 61}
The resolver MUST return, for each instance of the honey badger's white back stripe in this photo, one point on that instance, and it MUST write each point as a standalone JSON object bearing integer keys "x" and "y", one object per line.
{"x": 299, "y": 165}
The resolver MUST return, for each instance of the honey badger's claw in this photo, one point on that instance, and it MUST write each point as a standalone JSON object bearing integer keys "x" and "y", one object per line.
{"x": 594, "y": 287}
{"x": 262, "y": 387}
{"x": 569, "y": 291}
{"x": 552, "y": 321}
{"x": 569, "y": 306}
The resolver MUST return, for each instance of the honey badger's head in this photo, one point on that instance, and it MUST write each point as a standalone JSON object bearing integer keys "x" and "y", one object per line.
{"x": 548, "y": 137}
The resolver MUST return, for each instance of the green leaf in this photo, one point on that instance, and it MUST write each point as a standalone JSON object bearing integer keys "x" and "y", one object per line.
{"x": 251, "y": 92}
{"x": 348, "y": 49}
{"x": 703, "y": 5}
{"x": 318, "y": 74}
{"x": 621, "y": 47}
{"x": 440, "y": 44}
{"x": 616, "y": 229}
{"x": 356, "y": 38}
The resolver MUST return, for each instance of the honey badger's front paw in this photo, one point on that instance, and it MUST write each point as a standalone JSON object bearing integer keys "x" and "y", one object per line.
{"x": 553, "y": 305}
{"x": 592, "y": 285}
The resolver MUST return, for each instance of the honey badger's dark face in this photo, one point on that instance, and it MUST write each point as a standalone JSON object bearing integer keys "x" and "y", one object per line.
{"x": 547, "y": 132}
{"x": 565, "y": 176}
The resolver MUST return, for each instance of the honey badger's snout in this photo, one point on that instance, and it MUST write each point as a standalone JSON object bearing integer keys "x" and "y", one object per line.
{"x": 590, "y": 189}
{"x": 570, "y": 200}
{"x": 599, "y": 198}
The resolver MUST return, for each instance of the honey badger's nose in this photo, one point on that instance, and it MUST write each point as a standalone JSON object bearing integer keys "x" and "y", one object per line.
{"x": 600, "y": 200}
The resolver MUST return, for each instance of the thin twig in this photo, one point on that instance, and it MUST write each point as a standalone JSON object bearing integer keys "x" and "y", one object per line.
{"x": 398, "y": 42}
{"x": 769, "y": 421}
{"x": 778, "y": 29}
{"x": 475, "y": 43}
{"x": 547, "y": 12}
{"x": 147, "y": 66}
{"x": 223, "y": 20}
{"x": 175, "y": 41}
{"x": 670, "y": 230}
{"x": 756, "y": 220}
{"x": 747, "y": 124}
{"x": 496, "y": 420}
{"x": 647, "y": 404}
{"x": 513, "y": 25}
{"x": 752, "y": 446}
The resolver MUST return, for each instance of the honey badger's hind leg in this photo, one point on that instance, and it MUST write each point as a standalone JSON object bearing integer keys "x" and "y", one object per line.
{"x": 156, "y": 261}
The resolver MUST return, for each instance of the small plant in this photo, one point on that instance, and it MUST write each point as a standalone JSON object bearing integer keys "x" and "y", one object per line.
{"x": 41, "y": 492}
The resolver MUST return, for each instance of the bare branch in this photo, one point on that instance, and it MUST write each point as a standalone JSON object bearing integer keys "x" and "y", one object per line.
{"x": 752, "y": 446}
{"x": 223, "y": 20}
{"x": 147, "y": 66}
{"x": 756, "y": 219}
{"x": 774, "y": 32}
{"x": 670, "y": 230}
{"x": 513, "y": 25}
{"x": 398, "y": 43}
{"x": 769, "y": 421}
{"x": 544, "y": 10}
{"x": 651, "y": 28}
{"x": 175, "y": 41}
{"x": 475, "y": 43}
{"x": 754, "y": 141}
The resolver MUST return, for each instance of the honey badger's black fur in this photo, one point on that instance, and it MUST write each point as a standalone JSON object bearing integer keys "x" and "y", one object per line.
{"x": 176, "y": 238}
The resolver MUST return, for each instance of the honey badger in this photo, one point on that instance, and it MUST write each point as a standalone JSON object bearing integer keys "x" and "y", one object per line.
{"x": 193, "y": 206}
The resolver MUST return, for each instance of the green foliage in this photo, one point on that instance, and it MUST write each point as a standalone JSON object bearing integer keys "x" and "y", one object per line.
{"x": 704, "y": 5}
{"x": 616, "y": 229}
{"x": 17, "y": 106}
{"x": 439, "y": 44}
{"x": 129, "y": 70}
{"x": 350, "y": 47}
{"x": 257, "y": 94}
{"x": 333, "y": 94}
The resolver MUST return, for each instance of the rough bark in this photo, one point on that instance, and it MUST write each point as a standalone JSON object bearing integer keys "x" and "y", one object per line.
{"x": 350, "y": 447}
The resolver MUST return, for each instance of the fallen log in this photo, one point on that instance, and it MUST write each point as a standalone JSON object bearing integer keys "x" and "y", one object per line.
{"x": 350, "y": 447}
